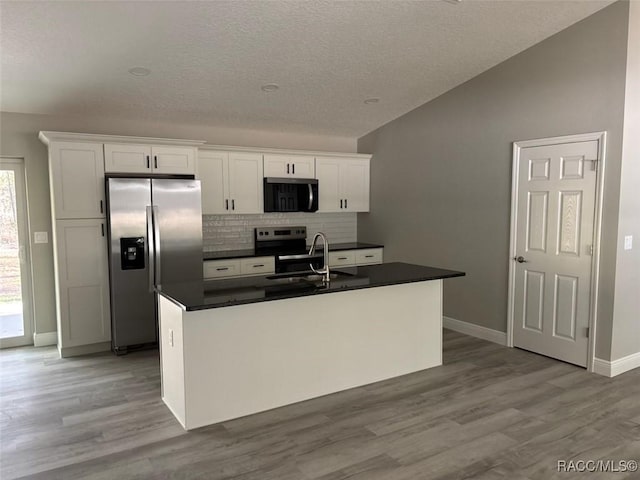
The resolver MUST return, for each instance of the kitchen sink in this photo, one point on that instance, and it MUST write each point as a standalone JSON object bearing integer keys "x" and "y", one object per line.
{"x": 306, "y": 277}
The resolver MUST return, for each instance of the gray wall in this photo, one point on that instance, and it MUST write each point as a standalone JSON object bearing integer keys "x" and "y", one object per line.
{"x": 441, "y": 174}
{"x": 19, "y": 137}
{"x": 626, "y": 312}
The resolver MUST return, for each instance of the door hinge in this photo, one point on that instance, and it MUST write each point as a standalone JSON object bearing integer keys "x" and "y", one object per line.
{"x": 587, "y": 331}
{"x": 594, "y": 164}
{"x": 590, "y": 250}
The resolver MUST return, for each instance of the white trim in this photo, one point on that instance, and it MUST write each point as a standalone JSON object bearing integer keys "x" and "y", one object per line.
{"x": 616, "y": 367}
{"x": 601, "y": 138}
{"x": 47, "y": 137}
{"x": 312, "y": 153}
{"x": 495, "y": 336}
{"x": 45, "y": 339}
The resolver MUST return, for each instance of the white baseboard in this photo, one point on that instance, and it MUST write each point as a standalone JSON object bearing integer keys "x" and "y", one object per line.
{"x": 474, "y": 330}
{"x": 616, "y": 367}
{"x": 45, "y": 339}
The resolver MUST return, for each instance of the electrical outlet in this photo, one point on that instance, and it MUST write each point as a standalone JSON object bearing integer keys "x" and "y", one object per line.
{"x": 40, "y": 237}
{"x": 170, "y": 337}
{"x": 628, "y": 242}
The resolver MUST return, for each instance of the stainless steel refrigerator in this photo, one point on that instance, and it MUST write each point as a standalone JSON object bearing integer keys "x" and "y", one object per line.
{"x": 155, "y": 237}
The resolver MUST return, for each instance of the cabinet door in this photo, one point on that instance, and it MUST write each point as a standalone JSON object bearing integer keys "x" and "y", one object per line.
{"x": 221, "y": 268}
{"x": 342, "y": 258}
{"x": 77, "y": 179}
{"x": 289, "y": 166}
{"x": 245, "y": 183}
{"x": 127, "y": 158}
{"x": 369, "y": 256}
{"x": 213, "y": 175}
{"x": 83, "y": 282}
{"x": 354, "y": 185}
{"x": 328, "y": 175}
{"x": 257, "y": 265}
{"x": 276, "y": 165}
{"x": 174, "y": 160}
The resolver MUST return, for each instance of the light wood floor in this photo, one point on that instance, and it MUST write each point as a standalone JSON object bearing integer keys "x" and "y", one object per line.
{"x": 489, "y": 412}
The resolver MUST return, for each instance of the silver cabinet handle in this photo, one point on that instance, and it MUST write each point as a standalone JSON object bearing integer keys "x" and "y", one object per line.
{"x": 340, "y": 203}
{"x": 258, "y": 265}
{"x": 226, "y": 204}
{"x": 233, "y": 204}
{"x": 520, "y": 259}
{"x": 287, "y": 168}
{"x": 101, "y": 208}
{"x": 222, "y": 269}
{"x": 148, "y": 163}
{"x": 155, "y": 161}
{"x": 368, "y": 256}
{"x": 342, "y": 258}
{"x": 345, "y": 203}
{"x": 102, "y": 228}
{"x": 293, "y": 168}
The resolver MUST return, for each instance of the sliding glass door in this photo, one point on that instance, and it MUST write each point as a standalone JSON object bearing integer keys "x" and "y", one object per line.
{"x": 16, "y": 322}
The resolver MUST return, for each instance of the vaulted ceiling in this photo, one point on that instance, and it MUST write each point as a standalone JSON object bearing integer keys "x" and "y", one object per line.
{"x": 208, "y": 60}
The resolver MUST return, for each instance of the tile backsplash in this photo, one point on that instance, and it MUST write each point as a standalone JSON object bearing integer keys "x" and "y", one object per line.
{"x": 235, "y": 232}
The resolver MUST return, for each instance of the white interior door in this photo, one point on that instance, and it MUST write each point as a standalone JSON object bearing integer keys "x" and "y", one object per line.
{"x": 16, "y": 322}
{"x": 555, "y": 207}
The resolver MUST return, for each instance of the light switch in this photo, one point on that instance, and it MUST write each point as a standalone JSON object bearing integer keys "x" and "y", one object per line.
{"x": 40, "y": 237}
{"x": 628, "y": 242}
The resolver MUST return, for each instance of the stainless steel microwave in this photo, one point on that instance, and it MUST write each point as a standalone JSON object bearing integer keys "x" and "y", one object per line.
{"x": 290, "y": 194}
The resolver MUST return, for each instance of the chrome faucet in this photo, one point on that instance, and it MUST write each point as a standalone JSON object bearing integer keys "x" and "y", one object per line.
{"x": 325, "y": 269}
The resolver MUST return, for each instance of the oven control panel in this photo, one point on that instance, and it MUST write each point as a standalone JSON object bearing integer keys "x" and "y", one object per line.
{"x": 263, "y": 234}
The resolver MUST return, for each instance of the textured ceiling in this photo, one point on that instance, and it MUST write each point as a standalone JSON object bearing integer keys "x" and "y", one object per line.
{"x": 209, "y": 59}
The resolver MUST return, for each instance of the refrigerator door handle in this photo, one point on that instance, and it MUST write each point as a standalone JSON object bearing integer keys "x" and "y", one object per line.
{"x": 150, "y": 248}
{"x": 156, "y": 245}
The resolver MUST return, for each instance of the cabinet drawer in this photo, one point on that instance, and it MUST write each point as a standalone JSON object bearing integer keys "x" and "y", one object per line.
{"x": 257, "y": 265}
{"x": 368, "y": 256}
{"x": 221, "y": 268}
{"x": 343, "y": 258}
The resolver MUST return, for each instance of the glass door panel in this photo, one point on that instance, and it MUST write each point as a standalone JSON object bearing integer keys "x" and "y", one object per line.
{"x": 15, "y": 283}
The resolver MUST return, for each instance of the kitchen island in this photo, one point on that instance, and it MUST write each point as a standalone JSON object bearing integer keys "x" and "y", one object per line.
{"x": 234, "y": 347}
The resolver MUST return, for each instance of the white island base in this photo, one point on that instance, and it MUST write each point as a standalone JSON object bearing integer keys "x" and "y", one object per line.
{"x": 228, "y": 362}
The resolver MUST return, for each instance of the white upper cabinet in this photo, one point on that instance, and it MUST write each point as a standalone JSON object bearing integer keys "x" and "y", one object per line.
{"x": 77, "y": 180}
{"x": 213, "y": 174}
{"x": 164, "y": 159}
{"x": 174, "y": 160}
{"x": 231, "y": 182}
{"x": 343, "y": 184}
{"x": 246, "y": 182}
{"x": 289, "y": 166}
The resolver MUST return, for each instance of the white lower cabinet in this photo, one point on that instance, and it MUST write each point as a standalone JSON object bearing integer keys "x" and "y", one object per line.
{"x": 342, "y": 259}
{"x": 350, "y": 258}
{"x": 238, "y": 267}
{"x": 82, "y": 283}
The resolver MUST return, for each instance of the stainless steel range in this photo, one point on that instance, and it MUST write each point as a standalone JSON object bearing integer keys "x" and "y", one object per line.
{"x": 289, "y": 247}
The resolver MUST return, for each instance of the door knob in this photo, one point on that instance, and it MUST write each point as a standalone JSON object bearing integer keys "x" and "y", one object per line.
{"x": 520, "y": 259}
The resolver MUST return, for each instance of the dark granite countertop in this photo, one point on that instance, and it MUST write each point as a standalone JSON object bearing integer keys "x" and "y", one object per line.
{"x": 250, "y": 252}
{"x": 200, "y": 295}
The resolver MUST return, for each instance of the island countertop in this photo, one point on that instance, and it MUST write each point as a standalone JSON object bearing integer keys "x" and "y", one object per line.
{"x": 200, "y": 295}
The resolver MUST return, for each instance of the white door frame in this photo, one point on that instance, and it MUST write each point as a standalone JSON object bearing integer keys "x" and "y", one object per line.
{"x": 601, "y": 138}
{"x": 26, "y": 267}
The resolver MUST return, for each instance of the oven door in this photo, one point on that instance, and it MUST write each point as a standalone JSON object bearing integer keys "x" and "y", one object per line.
{"x": 298, "y": 262}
